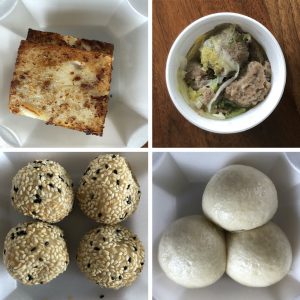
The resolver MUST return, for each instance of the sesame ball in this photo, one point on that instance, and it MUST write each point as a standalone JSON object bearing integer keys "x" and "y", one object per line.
{"x": 35, "y": 253}
{"x": 108, "y": 192}
{"x": 43, "y": 190}
{"x": 111, "y": 255}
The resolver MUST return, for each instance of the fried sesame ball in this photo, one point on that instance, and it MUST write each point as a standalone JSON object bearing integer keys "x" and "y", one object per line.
{"x": 43, "y": 190}
{"x": 111, "y": 255}
{"x": 108, "y": 192}
{"x": 35, "y": 253}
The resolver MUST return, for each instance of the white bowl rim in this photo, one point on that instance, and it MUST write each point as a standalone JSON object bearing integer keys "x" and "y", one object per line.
{"x": 187, "y": 116}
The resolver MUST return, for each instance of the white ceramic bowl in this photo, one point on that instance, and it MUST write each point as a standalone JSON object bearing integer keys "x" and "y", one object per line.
{"x": 255, "y": 115}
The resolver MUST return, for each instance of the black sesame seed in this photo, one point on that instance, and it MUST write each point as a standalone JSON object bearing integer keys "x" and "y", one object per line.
{"x": 112, "y": 278}
{"x": 120, "y": 277}
{"x": 101, "y": 296}
{"x": 99, "y": 215}
{"x": 66, "y": 262}
{"x": 35, "y": 267}
{"x": 113, "y": 156}
{"x": 61, "y": 178}
{"x": 122, "y": 218}
{"x": 135, "y": 248}
{"x": 16, "y": 189}
{"x": 46, "y": 244}
{"x": 91, "y": 243}
{"x": 51, "y": 185}
{"x": 37, "y": 199}
{"x": 142, "y": 263}
{"x": 118, "y": 182}
{"x": 12, "y": 198}
{"x": 134, "y": 237}
{"x": 88, "y": 265}
{"x": 29, "y": 277}
{"x": 83, "y": 182}
{"x": 35, "y": 167}
{"x": 86, "y": 171}
{"x": 41, "y": 282}
{"x": 40, "y": 187}
{"x": 98, "y": 171}
{"x": 33, "y": 249}
{"x": 128, "y": 186}
{"x": 129, "y": 259}
{"x": 115, "y": 171}
{"x": 59, "y": 190}
{"x": 61, "y": 235}
{"x": 96, "y": 248}
{"x": 50, "y": 175}
{"x": 40, "y": 176}
{"x": 41, "y": 259}
{"x": 106, "y": 166}
{"x": 139, "y": 192}
{"x": 125, "y": 268}
{"x": 94, "y": 178}
{"x": 118, "y": 230}
{"x": 22, "y": 232}
{"x": 98, "y": 229}
{"x": 104, "y": 239}
{"x": 129, "y": 200}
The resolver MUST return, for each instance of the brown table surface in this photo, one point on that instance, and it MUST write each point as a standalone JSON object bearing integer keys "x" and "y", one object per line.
{"x": 281, "y": 129}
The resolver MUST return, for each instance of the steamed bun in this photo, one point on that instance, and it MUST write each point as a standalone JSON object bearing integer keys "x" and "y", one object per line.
{"x": 192, "y": 252}
{"x": 239, "y": 197}
{"x": 258, "y": 257}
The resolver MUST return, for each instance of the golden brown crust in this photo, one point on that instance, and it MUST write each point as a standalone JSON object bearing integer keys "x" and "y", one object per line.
{"x": 67, "y": 40}
{"x": 62, "y": 85}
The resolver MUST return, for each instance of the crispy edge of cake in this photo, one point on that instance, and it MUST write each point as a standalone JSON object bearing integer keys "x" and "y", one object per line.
{"x": 68, "y": 40}
{"x": 101, "y": 108}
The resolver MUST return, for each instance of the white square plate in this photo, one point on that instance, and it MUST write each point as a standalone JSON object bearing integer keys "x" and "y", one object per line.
{"x": 72, "y": 284}
{"x": 179, "y": 180}
{"x": 120, "y": 22}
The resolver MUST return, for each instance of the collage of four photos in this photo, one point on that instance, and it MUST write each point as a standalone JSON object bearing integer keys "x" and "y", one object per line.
{"x": 149, "y": 149}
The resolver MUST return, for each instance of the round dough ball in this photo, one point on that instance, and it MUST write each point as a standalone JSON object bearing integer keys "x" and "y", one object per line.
{"x": 108, "y": 192}
{"x": 43, "y": 190}
{"x": 35, "y": 253}
{"x": 111, "y": 256}
{"x": 258, "y": 257}
{"x": 239, "y": 198}
{"x": 192, "y": 252}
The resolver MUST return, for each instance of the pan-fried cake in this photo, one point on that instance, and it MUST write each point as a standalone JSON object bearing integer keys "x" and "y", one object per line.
{"x": 68, "y": 40}
{"x": 64, "y": 83}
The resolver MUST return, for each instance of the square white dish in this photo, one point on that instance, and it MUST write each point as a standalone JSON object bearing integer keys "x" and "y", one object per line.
{"x": 179, "y": 180}
{"x": 120, "y": 22}
{"x": 72, "y": 284}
